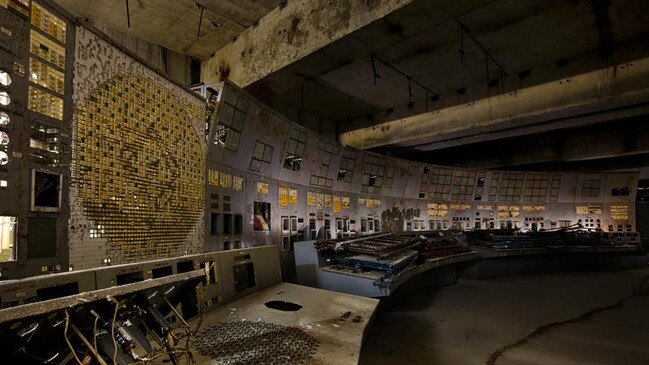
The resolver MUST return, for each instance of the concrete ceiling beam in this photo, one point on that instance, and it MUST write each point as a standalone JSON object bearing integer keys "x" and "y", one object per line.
{"x": 289, "y": 33}
{"x": 534, "y": 109}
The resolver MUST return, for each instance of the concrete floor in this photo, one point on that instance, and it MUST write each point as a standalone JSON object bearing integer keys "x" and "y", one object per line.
{"x": 559, "y": 319}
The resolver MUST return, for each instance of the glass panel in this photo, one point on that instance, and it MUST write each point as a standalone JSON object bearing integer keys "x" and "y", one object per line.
{"x": 47, "y": 49}
{"x": 258, "y": 153}
{"x": 45, "y": 103}
{"x": 4, "y": 158}
{"x": 48, "y": 23}
{"x": 4, "y": 98}
{"x": 46, "y": 76}
{"x": 268, "y": 154}
{"x": 7, "y": 238}
{"x": 5, "y": 79}
{"x": 4, "y": 118}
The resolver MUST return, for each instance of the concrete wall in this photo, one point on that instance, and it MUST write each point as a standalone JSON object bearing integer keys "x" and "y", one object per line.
{"x": 220, "y": 289}
{"x": 398, "y": 207}
{"x": 175, "y": 66}
{"x": 140, "y": 182}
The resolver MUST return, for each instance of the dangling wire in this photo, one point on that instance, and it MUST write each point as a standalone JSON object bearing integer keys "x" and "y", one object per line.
{"x": 426, "y": 100}
{"x": 461, "y": 50}
{"x": 486, "y": 64}
{"x": 67, "y": 340}
{"x": 200, "y": 20}
{"x": 128, "y": 15}
{"x": 376, "y": 75}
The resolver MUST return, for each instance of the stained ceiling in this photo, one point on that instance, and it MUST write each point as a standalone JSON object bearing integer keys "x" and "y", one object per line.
{"x": 425, "y": 49}
{"x": 175, "y": 24}
{"x": 431, "y": 54}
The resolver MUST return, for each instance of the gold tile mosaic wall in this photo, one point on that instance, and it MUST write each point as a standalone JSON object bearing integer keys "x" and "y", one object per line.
{"x": 138, "y": 165}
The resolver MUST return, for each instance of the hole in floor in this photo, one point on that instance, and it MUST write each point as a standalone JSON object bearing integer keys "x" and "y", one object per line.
{"x": 281, "y": 305}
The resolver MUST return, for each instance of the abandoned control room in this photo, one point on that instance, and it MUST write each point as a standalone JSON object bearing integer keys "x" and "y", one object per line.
{"x": 324, "y": 182}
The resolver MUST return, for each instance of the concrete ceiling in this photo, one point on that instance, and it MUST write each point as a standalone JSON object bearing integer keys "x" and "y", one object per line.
{"x": 457, "y": 51}
{"x": 389, "y": 70}
{"x": 416, "y": 52}
{"x": 174, "y": 23}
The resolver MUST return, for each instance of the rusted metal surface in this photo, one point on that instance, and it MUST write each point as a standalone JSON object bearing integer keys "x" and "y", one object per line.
{"x": 255, "y": 343}
{"x": 33, "y": 309}
{"x": 446, "y": 244}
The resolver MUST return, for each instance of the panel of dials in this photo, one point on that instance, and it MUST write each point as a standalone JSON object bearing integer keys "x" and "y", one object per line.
{"x": 48, "y": 22}
{"x": 47, "y": 45}
{"x": 45, "y": 103}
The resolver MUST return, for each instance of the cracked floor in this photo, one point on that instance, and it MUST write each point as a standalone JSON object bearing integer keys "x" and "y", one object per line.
{"x": 562, "y": 319}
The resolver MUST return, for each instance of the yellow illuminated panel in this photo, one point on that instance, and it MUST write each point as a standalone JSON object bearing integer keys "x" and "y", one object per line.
{"x": 361, "y": 201}
{"x": 437, "y": 210}
{"x": 369, "y": 203}
{"x": 337, "y": 204}
{"x": 42, "y": 102}
{"x": 534, "y": 208}
{"x": 506, "y": 211}
{"x": 20, "y": 7}
{"x": 581, "y": 209}
{"x": 46, "y": 76}
{"x": 327, "y": 200}
{"x": 320, "y": 199}
{"x": 237, "y": 183}
{"x": 485, "y": 207}
{"x": 460, "y": 206}
{"x": 139, "y": 167}
{"x": 213, "y": 178}
{"x": 225, "y": 180}
{"x": 310, "y": 198}
{"x": 595, "y": 209}
{"x": 620, "y": 212}
{"x": 221, "y": 179}
{"x": 345, "y": 202}
{"x": 262, "y": 188}
{"x": 292, "y": 196}
{"x": 47, "y": 49}
{"x": 48, "y": 22}
{"x": 377, "y": 203}
{"x": 283, "y": 196}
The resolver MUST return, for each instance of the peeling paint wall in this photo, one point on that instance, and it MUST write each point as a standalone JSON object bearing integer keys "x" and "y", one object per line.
{"x": 174, "y": 65}
{"x": 289, "y": 33}
{"x": 410, "y": 195}
{"x": 141, "y": 182}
